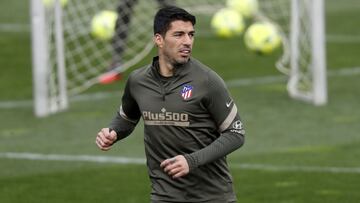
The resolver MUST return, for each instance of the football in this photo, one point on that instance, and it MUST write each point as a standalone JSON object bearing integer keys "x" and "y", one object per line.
{"x": 103, "y": 25}
{"x": 262, "y": 38}
{"x": 247, "y": 8}
{"x": 227, "y": 23}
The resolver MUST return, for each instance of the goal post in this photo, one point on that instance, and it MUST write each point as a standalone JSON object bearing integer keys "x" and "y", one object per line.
{"x": 49, "y": 75}
{"x": 315, "y": 72}
{"x": 302, "y": 23}
{"x": 319, "y": 53}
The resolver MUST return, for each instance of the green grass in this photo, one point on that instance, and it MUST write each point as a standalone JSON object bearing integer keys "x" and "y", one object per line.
{"x": 92, "y": 183}
{"x": 291, "y": 147}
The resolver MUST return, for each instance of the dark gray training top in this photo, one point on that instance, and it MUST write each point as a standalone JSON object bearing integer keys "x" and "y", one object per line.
{"x": 190, "y": 114}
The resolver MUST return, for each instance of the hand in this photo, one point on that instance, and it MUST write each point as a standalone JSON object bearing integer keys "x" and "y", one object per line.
{"x": 175, "y": 167}
{"x": 105, "y": 139}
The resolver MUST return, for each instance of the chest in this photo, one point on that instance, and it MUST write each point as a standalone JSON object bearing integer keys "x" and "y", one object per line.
{"x": 177, "y": 100}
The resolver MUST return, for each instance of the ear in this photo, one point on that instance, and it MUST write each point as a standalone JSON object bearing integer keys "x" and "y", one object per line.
{"x": 158, "y": 40}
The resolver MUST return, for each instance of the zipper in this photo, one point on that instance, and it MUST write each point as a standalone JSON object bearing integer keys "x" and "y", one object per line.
{"x": 157, "y": 77}
{"x": 162, "y": 90}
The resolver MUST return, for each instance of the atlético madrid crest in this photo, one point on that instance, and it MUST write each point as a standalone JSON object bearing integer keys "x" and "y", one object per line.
{"x": 186, "y": 92}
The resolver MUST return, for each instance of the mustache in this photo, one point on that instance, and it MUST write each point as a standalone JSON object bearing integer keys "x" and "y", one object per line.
{"x": 185, "y": 49}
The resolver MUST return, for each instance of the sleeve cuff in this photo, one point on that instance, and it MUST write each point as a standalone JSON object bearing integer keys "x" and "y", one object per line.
{"x": 191, "y": 161}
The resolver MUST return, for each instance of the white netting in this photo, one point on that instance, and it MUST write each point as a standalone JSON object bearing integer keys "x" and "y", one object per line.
{"x": 87, "y": 58}
{"x": 278, "y": 12}
{"x": 296, "y": 28}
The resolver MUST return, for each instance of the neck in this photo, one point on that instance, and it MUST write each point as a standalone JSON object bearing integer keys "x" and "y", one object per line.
{"x": 166, "y": 68}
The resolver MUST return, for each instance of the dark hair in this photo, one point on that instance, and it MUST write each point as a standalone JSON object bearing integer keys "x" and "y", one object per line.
{"x": 165, "y": 16}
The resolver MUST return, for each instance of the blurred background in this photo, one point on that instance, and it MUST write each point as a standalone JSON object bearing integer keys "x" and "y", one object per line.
{"x": 294, "y": 151}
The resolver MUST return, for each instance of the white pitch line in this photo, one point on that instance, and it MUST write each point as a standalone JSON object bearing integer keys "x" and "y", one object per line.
{"x": 59, "y": 157}
{"x": 262, "y": 80}
{"x": 14, "y": 27}
{"x": 335, "y": 38}
{"x": 78, "y": 98}
{"x": 141, "y": 161}
{"x": 255, "y": 81}
{"x": 276, "y": 168}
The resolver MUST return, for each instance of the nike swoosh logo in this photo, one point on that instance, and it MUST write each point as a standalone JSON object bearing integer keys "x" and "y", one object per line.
{"x": 229, "y": 103}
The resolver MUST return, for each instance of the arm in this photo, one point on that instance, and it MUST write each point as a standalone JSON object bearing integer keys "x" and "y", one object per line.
{"x": 180, "y": 165}
{"x": 231, "y": 133}
{"x": 122, "y": 124}
{"x": 225, "y": 114}
{"x": 229, "y": 140}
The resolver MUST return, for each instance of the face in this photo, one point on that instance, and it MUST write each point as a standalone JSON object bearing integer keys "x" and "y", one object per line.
{"x": 175, "y": 47}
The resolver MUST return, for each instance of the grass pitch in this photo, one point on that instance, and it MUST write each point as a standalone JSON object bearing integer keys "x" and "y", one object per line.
{"x": 294, "y": 152}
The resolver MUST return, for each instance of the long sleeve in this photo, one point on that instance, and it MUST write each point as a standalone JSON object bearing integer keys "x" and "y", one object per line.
{"x": 127, "y": 116}
{"x": 225, "y": 114}
{"x": 229, "y": 140}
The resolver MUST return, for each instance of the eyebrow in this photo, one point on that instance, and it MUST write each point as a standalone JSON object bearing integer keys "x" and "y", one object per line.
{"x": 178, "y": 32}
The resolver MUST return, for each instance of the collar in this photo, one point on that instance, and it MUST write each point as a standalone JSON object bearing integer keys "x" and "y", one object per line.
{"x": 177, "y": 70}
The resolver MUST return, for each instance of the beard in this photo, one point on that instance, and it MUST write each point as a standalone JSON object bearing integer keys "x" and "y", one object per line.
{"x": 181, "y": 62}
{"x": 178, "y": 60}
{"x": 175, "y": 57}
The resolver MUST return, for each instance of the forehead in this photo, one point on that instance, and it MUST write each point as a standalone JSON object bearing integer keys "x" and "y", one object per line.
{"x": 179, "y": 25}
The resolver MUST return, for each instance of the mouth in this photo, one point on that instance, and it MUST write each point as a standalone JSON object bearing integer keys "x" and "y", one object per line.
{"x": 185, "y": 52}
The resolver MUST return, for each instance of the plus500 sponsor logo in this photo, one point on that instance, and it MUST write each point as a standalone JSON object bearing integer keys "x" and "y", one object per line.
{"x": 165, "y": 116}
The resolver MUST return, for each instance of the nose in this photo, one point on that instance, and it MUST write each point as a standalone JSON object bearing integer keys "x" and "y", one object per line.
{"x": 188, "y": 39}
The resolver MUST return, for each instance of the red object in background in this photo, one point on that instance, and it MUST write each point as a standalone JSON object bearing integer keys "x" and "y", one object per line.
{"x": 109, "y": 77}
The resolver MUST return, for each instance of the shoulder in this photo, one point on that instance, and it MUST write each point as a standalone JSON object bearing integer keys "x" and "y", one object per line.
{"x": 139, "y": 74}
{"x": 210, "y": 75}
{"x": 199, "y": 66}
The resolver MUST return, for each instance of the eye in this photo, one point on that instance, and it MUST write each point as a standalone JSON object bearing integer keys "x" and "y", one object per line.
{"x": 177, "y": 34}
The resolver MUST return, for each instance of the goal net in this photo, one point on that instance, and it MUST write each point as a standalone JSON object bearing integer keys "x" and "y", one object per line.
{"x": 301, "y": 23}
{"x": 68, "y": 59}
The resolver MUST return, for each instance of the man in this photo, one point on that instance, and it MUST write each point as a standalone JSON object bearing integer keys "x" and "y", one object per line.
{"x": 191, "y": 122}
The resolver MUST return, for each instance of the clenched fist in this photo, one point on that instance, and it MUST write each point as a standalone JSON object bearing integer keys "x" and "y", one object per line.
{"x": 105, "y": 139}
